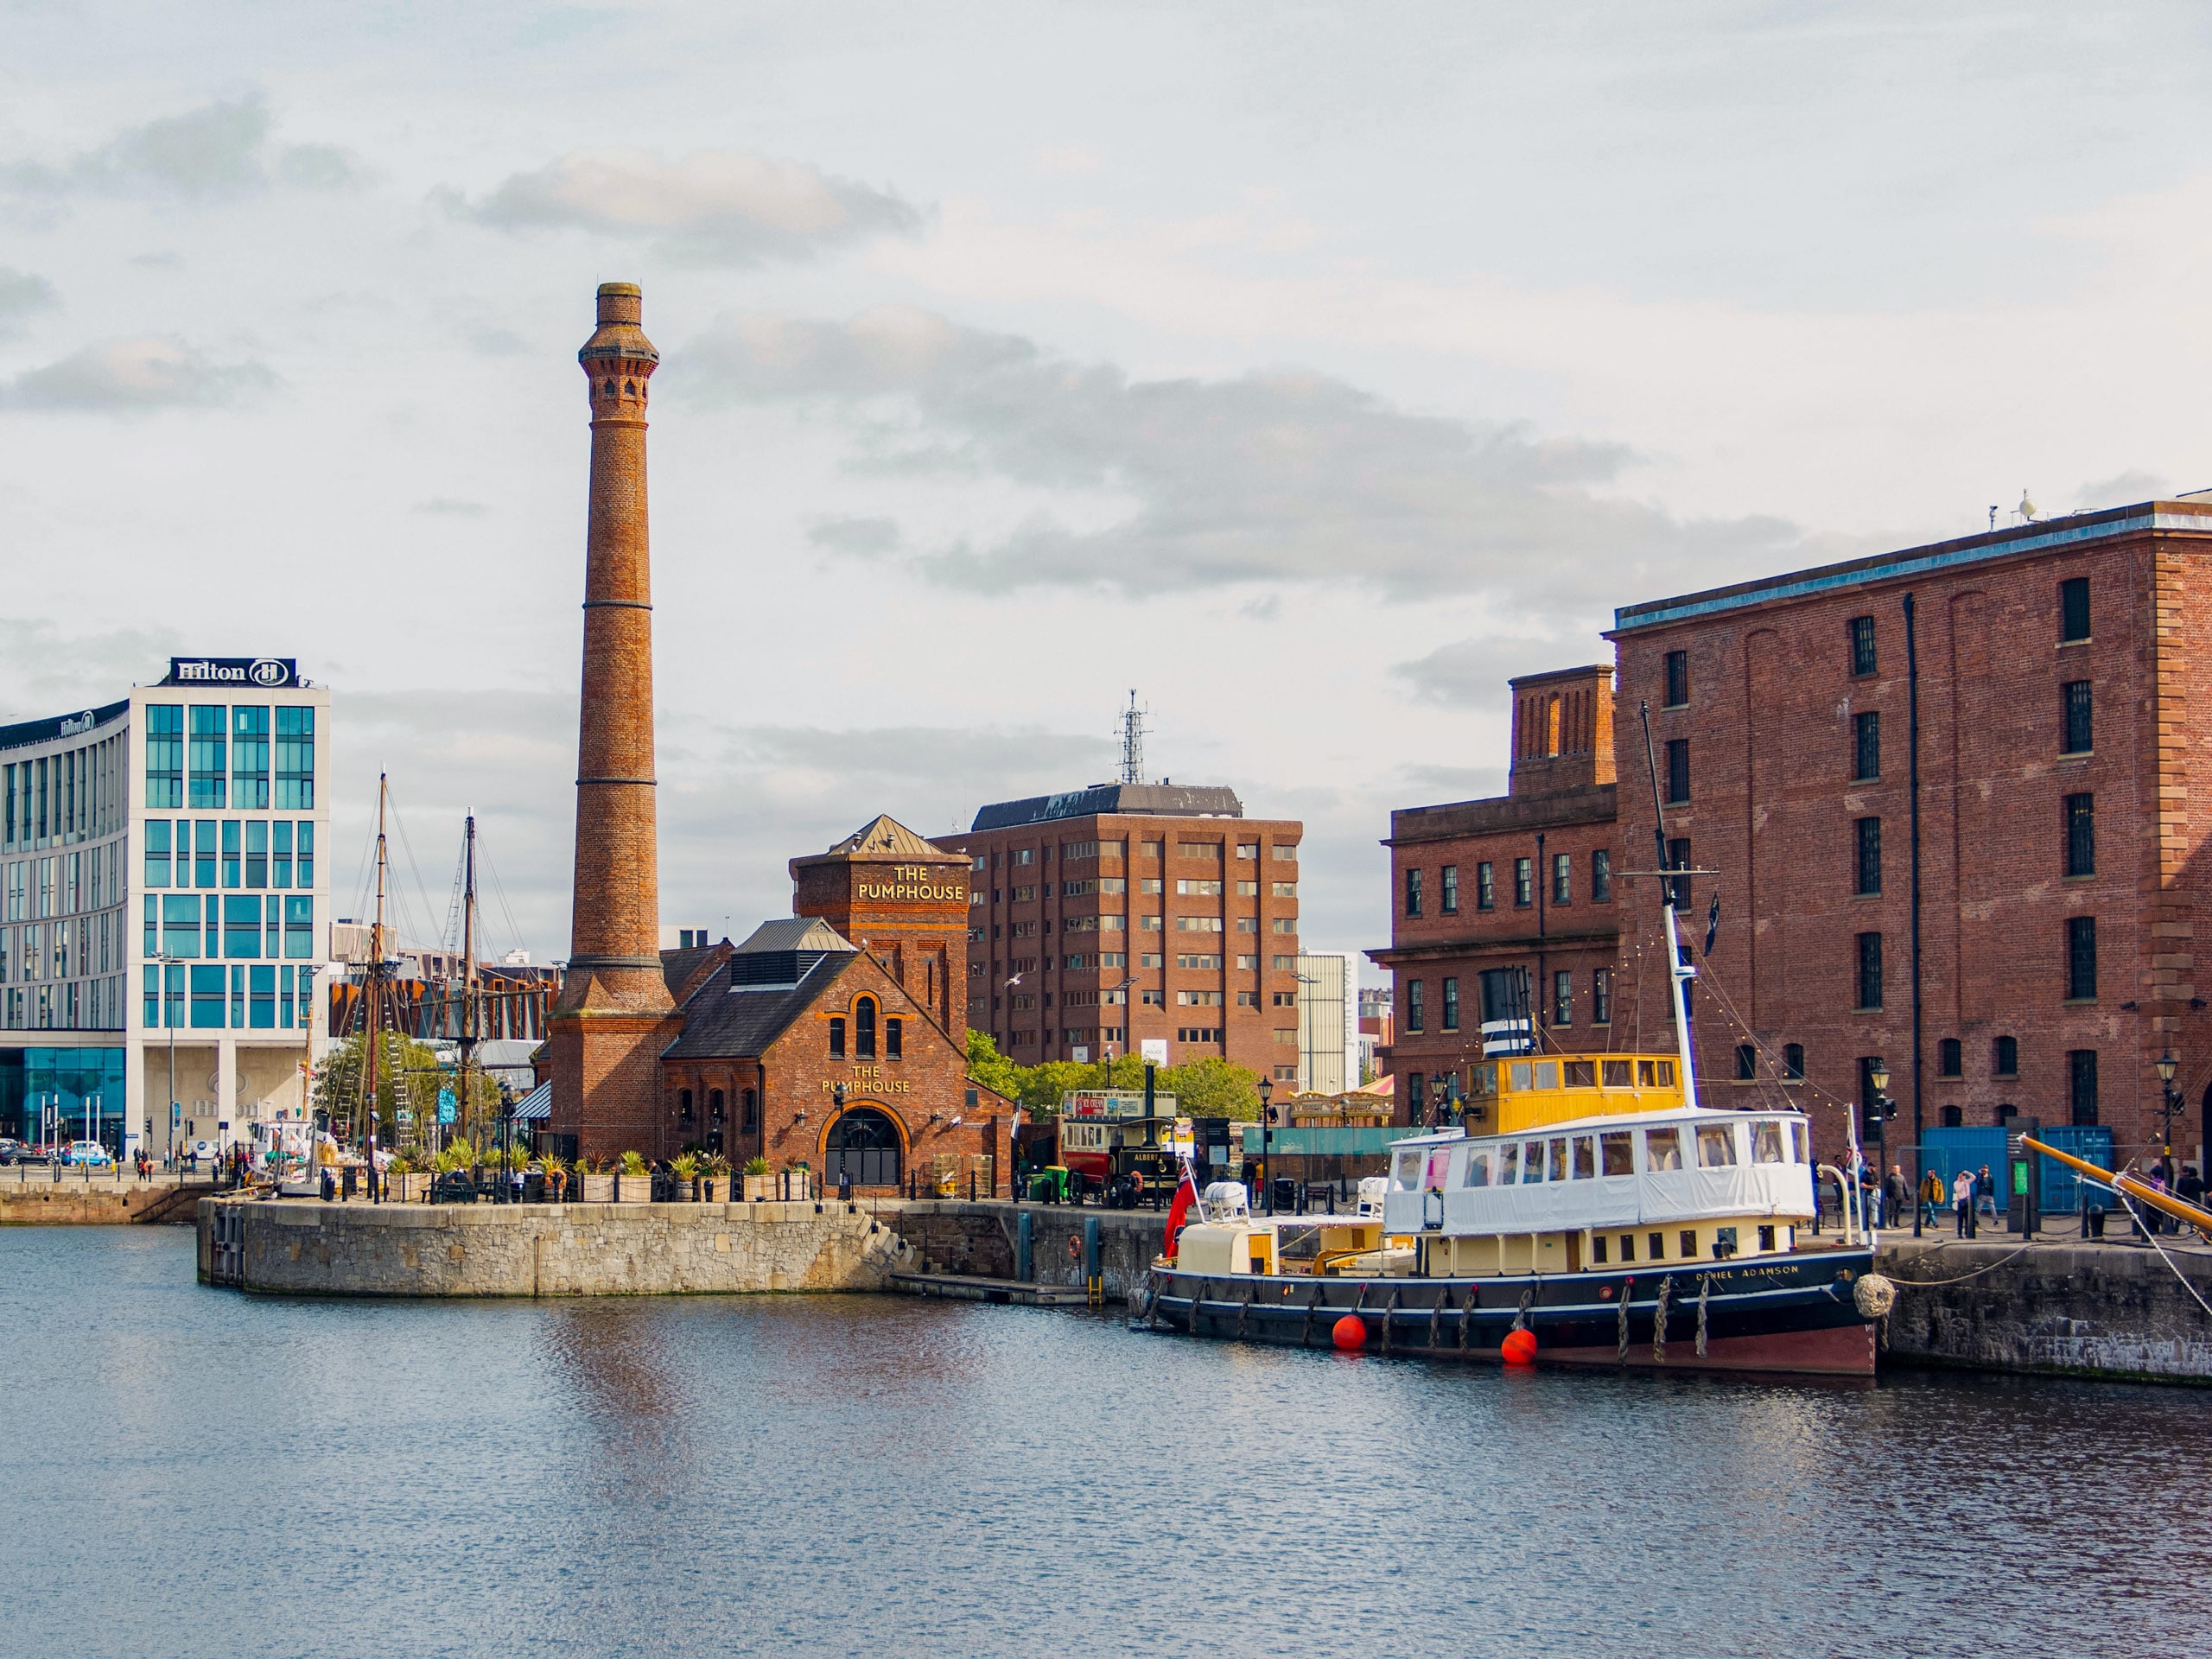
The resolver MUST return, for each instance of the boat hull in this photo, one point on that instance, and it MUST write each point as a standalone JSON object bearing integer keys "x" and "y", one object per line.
{"x": 1792, "y": 1315}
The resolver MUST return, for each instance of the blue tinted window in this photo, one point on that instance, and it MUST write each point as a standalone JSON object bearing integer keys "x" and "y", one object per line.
{"x": 180, "y": 924}
{"x": 164, "y": 755}
{"x": 299, "y": 927}
{"x": 306, "y": 856}
{"x": 203, "y": 852}
{"x": 230, "y": 828}
{"x": 257, "y": 853}
{"x": 242, "y": 926}
{"x": 208, "y": 752}
{"x": 261, "y": 1012}
{"x": 207, "y": 997}
{"x": 249, "y": 758}
{"x": 158, "y": 852}
{"x": 295, "y": 760}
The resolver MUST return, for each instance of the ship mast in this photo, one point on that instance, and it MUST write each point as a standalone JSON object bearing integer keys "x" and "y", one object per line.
{"x": 1679, "y": 971}
{"x": 375, "y": 989}
{"x": 471, "y": 1025}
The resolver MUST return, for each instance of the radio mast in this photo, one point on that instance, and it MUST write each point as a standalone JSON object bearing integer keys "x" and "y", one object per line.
{"x": 1133, "y": 741}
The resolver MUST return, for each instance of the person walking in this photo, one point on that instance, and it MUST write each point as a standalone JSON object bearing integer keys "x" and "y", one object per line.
{"x": 1893, "y": 1196}
{"x": 1932, "y": 1197}
{"x": 1985, "y": 1194}
{"x": 1962, "y": 1202}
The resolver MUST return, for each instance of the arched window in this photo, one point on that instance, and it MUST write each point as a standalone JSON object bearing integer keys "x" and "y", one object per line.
{"x": 894, "y": 1038}
{"x": 864, "y": 1144}
{"x": 863, "y": 1028}
{"x": 684, "y": 1104}
{"x": 1551, "y": 727}
{"x": 714, "y": 1104}
{"x": 752, "y": 1111}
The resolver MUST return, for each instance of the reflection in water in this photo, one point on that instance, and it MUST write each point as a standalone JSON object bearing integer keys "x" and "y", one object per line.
{"x": 695, "y": 1476}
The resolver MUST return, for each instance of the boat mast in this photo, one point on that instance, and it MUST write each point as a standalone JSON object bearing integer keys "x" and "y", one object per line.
{"x": 470, "y": 1028}
{"x": 375, "y": 988}
{"x": 1679, "y": 972}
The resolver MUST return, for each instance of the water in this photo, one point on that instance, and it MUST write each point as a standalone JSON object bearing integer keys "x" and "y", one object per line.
{"x": 188, "y": 1472}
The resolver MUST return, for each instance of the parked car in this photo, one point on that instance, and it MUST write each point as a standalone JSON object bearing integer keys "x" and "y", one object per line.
{"x": 12, "y": 1150}
{"x": 87, "y": 1153}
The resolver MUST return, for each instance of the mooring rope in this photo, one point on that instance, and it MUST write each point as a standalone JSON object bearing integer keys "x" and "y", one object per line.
{"x": 1704, "y": 1289}
{"x": 1931, "y": 1284}
{"x": 1623, "y": 1355}
{"x": 1521, "y": 1314}
{"x": 1659, "y": 1320}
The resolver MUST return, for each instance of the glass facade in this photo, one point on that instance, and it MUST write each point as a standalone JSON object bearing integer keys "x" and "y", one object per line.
{"x": 208, "y": 778}
{"x": 74, "y": 1093}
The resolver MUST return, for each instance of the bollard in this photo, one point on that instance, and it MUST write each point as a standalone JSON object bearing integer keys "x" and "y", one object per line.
{"x": 1025, "y": 1246}
{"x": 1090, "y": 1251}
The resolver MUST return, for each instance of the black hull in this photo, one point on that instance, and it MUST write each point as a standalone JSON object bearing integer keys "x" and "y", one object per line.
{"x": 1788, "y": 1314}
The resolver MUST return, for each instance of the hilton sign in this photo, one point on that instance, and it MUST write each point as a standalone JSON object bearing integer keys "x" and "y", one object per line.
{"x": 265, "y": 673}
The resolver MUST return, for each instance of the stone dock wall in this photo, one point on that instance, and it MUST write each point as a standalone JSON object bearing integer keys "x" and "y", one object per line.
{"x": 100, "y": 1203}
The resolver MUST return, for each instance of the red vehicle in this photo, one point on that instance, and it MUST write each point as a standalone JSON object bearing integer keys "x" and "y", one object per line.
{"x": 1119, "y": 1147}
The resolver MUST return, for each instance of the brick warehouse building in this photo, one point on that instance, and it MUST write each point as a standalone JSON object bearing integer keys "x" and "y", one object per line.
{"x": 1110, "y": 916}
{"x": 2060, "y": 852}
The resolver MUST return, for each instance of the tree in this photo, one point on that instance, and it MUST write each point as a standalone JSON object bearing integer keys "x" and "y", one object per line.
{"x": 1212, "y": 1087}
{"x": 408, "y": 1074}
{"x": 1205, "y": 1088}
{"x": 991, "y": 1068}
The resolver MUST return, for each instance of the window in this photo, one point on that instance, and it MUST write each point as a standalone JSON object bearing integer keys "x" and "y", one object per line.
{"x": 1413, "y": 893}
{"x": 1949, "y": 1058}
{"x": 299, "y": 927}
{"x": 1281, "y": 925}
{"x": 158, "y": 852}
{"x": 2081, "y": 1085}
{"x": 1562, "y": 879}
{"x": 2004, "y": 1057}
{"x": 242, "y": 926}
{"x": 683, "y": 1105}
{"x": 1862, "y": 645}
{"x": 280, "y": 853}
{"x": 249, "y": 759}
{"x": 1678, "y": 858}
{"x": 1869, "y": 971}
{"x": 1289, "y": 999}
{"x": 1451, "y": 1004}
{"x": 863, "y": 1029}
{"x": 1148, "y": 848}
{"x": 1203, "y": 890}
{"x": 164, "y": 755}
{"x": 2080, "y": 815}
{"x": 1678, "y": 678}
{"x": 180, "y": 924}
{"x": 1601, "y": 996}
{"x": 1678, "y": 770}
{"x": 1287, "y": 852}
{"x": 894, "y": 1037}
{"x": 1416, "y": 1096}
{"x": 1414, "y": 1008}
{"x": 1028, "y": 855}
{"x": 1716, "y": 1147}
{"x": 208, "y": 776}
{"x": 1747, "y": 1063}
{"x": 207, "y": 996}
{"x": 1284, "y": 889}
{"x": 836, "y": 1036}
{"x": 1869, "y": 835}
{"x": 232, "y": 850}
{"x": 750, "y": 1103}
{"x": 1206, "y": 851}
{"x": 1866, "y": 748}
{"x": 2081, "y": 958}
{"x": 1953, "y": 1117}
{"x": 1601, "y": 877}
{"x": 257, "y": 853}
{"x": 1523, "y": 883}
{"x": 1485, "y": 886}
{"x": 1248, "y": 849}
{"x": 2074, "y": 609}
{"x": 1448, "y": 881}
{"x": 1148, "y": 884}
{"x": 1562, "y": 997}
{"x": 2074, "y": 705}
{"x": 306, "y": 856}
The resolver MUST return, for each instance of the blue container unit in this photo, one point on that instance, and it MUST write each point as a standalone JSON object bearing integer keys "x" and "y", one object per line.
{"x": 2063, "y": 1190}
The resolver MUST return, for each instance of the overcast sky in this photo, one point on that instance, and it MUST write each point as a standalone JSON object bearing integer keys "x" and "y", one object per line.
{"x": 1309, "y": 369}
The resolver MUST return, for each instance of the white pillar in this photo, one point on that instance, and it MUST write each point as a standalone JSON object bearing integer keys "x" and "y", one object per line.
{"x": 226, "y": 1082}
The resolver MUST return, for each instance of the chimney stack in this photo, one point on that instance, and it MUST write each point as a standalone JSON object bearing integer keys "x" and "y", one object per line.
{"x": 615, "y": 1014}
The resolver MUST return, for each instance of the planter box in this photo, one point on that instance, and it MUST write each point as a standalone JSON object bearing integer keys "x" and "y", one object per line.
{"x": 598, "y": 1189}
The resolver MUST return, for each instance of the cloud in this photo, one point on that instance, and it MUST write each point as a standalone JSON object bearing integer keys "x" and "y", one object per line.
{"x": 710, "y": 207}
{"x": 1471, "y": 673}
{"x": 220, "y": 148}
{"x": 2122, "y": 490}
{"x": 124, "y": 375}
{"x": 453, "y": 507}
{"x": 43, "y": 671}
{"x": 859, "y": 539}
{"x": 21, "y": 294}
{"x": 1273, "y": 477}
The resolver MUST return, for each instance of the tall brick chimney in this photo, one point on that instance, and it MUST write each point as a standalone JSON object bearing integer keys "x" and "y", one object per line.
{"x": 615, "y": 1013}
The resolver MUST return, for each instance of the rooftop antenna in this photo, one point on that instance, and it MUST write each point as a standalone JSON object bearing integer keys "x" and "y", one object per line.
{"x": 2027, "y": 508}
{"x": 1133, "y": 741}
{"x": 1994, "y": 512}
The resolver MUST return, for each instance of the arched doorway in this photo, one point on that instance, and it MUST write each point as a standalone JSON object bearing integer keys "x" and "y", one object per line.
{"x": 863, "y": 1144}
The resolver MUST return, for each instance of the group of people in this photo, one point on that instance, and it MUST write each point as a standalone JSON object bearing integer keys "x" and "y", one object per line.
{"x": 1970, "y": 1195}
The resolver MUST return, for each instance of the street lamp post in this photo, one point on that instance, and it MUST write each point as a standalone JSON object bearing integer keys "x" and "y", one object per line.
{"x": 2167, "y": 1067}
{"x": 1266, "y": 1136}
{"x": 1882, "y": 1109}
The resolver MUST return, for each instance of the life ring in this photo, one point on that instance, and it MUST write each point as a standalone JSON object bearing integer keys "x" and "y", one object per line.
{"x": 1075, "y": 1248}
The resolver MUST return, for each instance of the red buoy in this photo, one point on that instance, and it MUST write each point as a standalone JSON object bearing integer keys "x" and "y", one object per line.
{"x": 1349, "y": 1333}
{"x": 1519, "y": 1347}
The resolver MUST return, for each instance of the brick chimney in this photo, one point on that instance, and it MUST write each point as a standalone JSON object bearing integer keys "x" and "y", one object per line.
{"x": 1562, "y": 730}
{"x": 615, "y": 1013}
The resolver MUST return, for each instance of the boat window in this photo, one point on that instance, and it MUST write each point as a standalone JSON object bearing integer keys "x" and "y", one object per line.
{"x": 1585, "y": 1156}
{"x": 1644, "y": 1078}
{"x": 1532, "y": 1161}
{"x": 1716, "y": 1147}
{"x": 1766, "y": 1240}
{"x": 1483, "y": 1079}
{"x": 1796, "y": 1143}
{"x": 1766, "y": 1142}
{"x": 1478, "y": 1167}
{"x": 1619, "y": 1074}
{"x": 1509, "y": 1162}
{"x": 1628, "y": 1247}
{"x": 1620, "y": 1158}
{"x": 1666, "y": 1074}
{"x": 1597, "y": 1249}
{"x": 1658, "y": 1244}
{"x": 1663, "y": 1149}
{"x": 1582, "y": 1074}
{"x": 1405, "y": 1171}
{"x": 1557, "y": 1171}
{"x": 1689, "y": 1243}
{"x": 1546, "y": 1074}
{"x": 1518, "y": 1074}
{"x": 1439, "y": 1167}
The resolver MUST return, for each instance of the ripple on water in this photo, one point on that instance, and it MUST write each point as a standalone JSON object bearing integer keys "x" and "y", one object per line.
{"x": 223, "y": 1475}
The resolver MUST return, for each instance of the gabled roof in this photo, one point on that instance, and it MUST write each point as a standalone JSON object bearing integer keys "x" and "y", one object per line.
{"x": 886, "y": 837}
{"x": 721, "y": 1022}
{"x": 794, "y": 933}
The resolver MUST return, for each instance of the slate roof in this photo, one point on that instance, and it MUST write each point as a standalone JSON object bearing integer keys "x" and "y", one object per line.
{"x": 720, "y": 1023}
{"x": 886, "y": 837}
{"x": 1146, "y": 800}
{"x": 794, "y": 933}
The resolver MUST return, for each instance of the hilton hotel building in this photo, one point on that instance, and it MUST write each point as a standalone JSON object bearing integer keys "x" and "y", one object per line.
{"x": 161, "y": 892}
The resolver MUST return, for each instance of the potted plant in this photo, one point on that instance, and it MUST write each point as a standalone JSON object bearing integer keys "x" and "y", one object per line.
{"x": 716, "y": 1168}
{"x": 686, "y": 1167}
{"x": 632, "y": 1168}
{"x": 756, "y": 1179}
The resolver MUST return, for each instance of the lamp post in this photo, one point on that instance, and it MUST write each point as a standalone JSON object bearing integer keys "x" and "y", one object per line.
{"x": 1266, "y": 1136}
{"x": 1882, "y": 1109}
{"x": 168, "y": 1019}
{"x": 2167, "y": 1067}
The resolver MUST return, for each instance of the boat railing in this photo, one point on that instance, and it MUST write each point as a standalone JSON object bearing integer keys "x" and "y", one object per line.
{"x": 1854, "y": 1220}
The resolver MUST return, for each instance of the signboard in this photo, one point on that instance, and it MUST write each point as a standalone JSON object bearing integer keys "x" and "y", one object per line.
{"x": 446, "y": 1105}
{"x": 1155, "y": 1050}
{"x": 264, "y": 673}
{"x": 403, "y": 1115}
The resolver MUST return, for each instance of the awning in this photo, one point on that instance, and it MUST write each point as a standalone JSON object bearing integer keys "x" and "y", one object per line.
{"x": 536, "y": 1106}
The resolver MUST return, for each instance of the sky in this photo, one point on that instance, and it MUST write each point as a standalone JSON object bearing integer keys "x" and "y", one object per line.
{"x": 1306, "y": 369}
